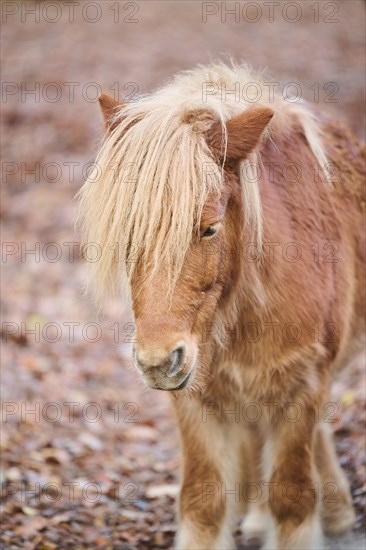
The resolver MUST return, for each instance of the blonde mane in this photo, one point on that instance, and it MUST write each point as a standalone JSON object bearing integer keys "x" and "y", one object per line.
{"x": 143, "y": 199}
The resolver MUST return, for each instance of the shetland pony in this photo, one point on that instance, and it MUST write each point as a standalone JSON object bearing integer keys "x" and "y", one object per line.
{"x": 234, "y": 226}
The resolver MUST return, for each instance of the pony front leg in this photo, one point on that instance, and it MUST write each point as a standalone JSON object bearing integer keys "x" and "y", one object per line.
{"x": 293, "y": 498}
{"x": 255, "y": 523}
{"x": 338, "y": 515}
{"x": 210, "y": 470}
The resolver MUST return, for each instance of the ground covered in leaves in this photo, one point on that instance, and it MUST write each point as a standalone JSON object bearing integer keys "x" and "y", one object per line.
{"x": 89, "y": 457}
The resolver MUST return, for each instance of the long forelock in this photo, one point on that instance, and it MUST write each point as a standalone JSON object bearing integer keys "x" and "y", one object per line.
{"x": 151, "y": 180}
{"x": 143, "y": 201}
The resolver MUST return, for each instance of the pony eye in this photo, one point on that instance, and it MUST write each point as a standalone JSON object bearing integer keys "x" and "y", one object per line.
{"x": 211, "y": 230}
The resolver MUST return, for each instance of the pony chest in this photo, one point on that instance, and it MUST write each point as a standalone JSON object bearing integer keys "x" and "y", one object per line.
{"x": 236, "y": 381}
{"x": 266, "y": 383}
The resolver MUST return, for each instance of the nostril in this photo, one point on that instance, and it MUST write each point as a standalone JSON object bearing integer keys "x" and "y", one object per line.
{"x": 179, "y": 350}
{"x": 176, "y": 360}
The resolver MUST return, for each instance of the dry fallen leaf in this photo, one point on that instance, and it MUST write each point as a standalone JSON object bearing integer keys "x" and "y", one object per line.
{"x": 156, "y": 491}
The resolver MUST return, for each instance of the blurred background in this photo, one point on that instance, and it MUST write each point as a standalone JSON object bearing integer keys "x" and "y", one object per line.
{"x": 89, "y": 456}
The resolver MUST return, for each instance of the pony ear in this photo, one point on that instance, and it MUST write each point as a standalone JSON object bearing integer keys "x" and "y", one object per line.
{"x": 109, "y": 107}
{"x": 244, "y": 132}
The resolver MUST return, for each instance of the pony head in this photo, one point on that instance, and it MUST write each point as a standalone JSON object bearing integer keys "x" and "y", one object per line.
{"x": 167, "y": 206}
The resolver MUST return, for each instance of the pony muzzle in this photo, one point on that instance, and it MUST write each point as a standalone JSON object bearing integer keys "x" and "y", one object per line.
{"x": 165, "y": 370}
